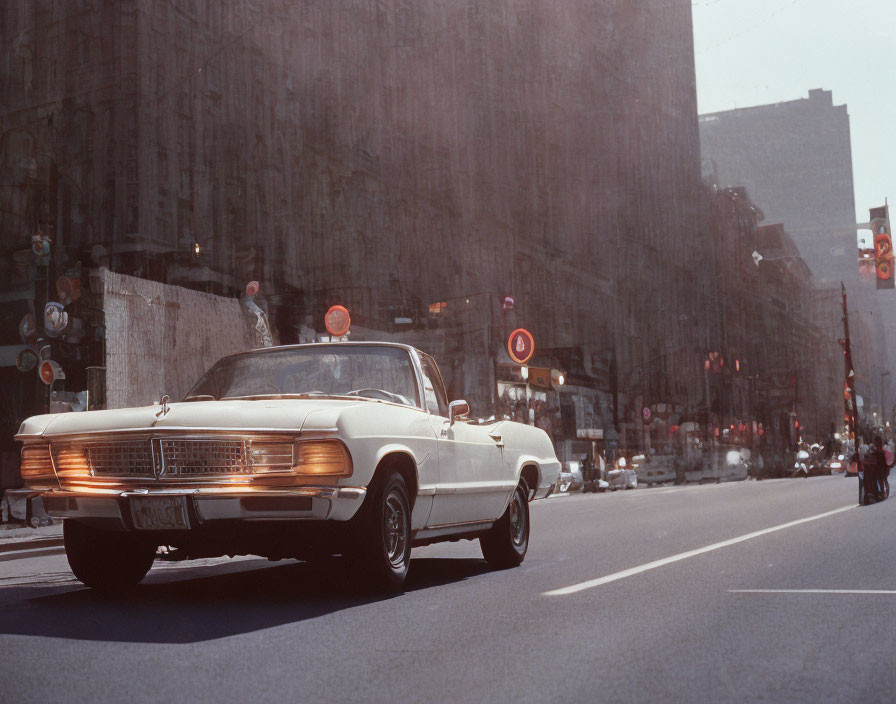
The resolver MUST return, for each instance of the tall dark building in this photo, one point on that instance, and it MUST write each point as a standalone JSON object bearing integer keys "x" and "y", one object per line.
{"x": 384, "y": 156}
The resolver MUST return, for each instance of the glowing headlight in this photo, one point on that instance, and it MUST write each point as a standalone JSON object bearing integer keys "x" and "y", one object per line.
{"x": 324, "y": 458}
{"x": 71, "y": 463}
{"x": 271, "y": 456}
{"x": 37, "y": 467}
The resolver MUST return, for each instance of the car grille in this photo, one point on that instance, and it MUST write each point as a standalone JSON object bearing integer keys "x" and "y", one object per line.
{"x": 203, "y": 457}
{"x": 129, "y": 458}
{"x": 165, "y": 457}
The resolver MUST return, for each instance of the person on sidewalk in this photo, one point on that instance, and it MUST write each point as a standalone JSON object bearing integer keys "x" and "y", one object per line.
{"x": 876, "y": 471}
{"x": 889, "y": 459}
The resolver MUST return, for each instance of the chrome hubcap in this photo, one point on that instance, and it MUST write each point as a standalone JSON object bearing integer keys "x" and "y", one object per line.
{"x": 517, "y": 520}
{"x": 395, "y": 529}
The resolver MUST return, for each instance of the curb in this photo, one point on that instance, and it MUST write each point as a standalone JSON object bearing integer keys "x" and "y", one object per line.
{"x": 30, "y": 544}
{"x": 15, "y": 538}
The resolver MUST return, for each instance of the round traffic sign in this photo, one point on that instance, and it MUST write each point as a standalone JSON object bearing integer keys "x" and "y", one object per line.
{"x": 337, "y": 321}
{"x": 26, "y": 360}
{"x": 55, "y": 318}
{"x": 50, "y": 371}
{"x": 520, "y": 346}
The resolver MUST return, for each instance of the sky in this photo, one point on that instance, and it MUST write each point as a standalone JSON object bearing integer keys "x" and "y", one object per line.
{"x": 756, "y": 52}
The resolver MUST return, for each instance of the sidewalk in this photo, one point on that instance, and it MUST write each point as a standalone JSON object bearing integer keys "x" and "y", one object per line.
{"x": 15, "y": 536}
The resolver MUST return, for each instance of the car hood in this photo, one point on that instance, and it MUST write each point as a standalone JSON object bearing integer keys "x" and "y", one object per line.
{"x": 268, "y": 414}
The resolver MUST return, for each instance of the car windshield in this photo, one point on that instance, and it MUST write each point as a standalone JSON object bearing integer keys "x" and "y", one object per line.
{"x": 373, "y": 372}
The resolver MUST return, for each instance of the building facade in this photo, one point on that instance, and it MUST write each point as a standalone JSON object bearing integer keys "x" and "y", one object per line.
{"x": 384, "y": 156}
{"x": 795, "y": 160}
{"x": 449, "y": 172}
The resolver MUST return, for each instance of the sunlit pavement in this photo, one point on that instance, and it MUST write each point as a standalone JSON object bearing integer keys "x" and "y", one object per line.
{"x": 749, "y": 591}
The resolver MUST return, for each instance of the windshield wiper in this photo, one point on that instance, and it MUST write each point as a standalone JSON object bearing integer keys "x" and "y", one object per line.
{"x": 201, "y": 397}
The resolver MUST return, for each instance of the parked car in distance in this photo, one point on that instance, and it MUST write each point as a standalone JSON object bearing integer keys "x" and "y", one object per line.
{"x": 837, "y": 463}
{"x": 622, "y": 476}
{"x": 570, "y": 478}
{"x": 300, "y": 451}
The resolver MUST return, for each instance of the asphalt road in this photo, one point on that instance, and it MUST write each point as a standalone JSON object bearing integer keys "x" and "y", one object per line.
{"x": 657, "y": 595}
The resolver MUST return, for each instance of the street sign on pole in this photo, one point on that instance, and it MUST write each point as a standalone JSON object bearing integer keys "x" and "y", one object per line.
{"x": 520, "y": 346}
{"x": 337, "y": 321}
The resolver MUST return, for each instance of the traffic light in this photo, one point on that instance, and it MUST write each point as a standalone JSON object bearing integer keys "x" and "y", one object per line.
{"x": 883, "y": 247}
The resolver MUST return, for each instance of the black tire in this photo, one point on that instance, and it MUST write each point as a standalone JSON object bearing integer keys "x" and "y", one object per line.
{"x": 382, "y": 549}
{"x": 108, "y": 561}
{"x": 506, "y": 542}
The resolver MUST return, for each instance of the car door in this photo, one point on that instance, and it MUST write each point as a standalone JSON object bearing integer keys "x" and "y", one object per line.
{"x": 473, "y": 483}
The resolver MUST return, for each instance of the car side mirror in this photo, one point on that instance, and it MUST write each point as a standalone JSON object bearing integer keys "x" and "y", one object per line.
{"x": 458, "y": 410}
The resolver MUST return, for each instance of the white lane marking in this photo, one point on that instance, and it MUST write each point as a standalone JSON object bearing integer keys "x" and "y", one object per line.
{"x": 581, "y": 586}
{"x": 811, "y": 591}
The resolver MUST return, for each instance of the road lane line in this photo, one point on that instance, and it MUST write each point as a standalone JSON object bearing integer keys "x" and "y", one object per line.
{"x": 591, "y": 583}
{"x": 811, "y": 591}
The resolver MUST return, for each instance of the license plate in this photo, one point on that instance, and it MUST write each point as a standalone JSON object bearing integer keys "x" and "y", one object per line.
{"x": 160, "y": 512}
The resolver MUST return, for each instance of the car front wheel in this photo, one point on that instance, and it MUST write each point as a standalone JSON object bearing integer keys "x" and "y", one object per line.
{"x": 109, "y": 561}
{"x": 383, "y": 547}
{"x": 506, "y": 542}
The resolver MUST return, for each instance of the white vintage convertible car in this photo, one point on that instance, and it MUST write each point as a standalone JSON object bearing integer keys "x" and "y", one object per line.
{"x": 300, "y": 451}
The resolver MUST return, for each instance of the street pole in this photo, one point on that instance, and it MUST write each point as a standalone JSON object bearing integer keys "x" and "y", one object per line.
{"x": 708, "y": 434}
{"x": 852, "y": 410}
{"x": 524, "y": 372}
{"x": 883, "y": 399}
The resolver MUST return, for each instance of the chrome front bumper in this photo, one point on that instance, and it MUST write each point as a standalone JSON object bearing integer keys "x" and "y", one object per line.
{"x": 311, "y": 503}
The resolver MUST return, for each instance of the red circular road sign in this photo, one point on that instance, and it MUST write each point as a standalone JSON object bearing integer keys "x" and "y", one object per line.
{"x": 50, "y": 371}
{"x": 337, "y": 321}
{"x": 520, "y": 345}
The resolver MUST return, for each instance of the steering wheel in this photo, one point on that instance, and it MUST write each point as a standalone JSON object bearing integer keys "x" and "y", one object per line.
{"x": 373, "y": 393}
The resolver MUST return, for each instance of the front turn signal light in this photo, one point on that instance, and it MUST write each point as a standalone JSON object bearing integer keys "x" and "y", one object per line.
{"x": 325, "y": 458}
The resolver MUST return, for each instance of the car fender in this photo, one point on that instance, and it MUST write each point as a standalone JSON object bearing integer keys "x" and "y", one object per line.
{"x": 401, "y": 449}
{"x": 548, "y": 473}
